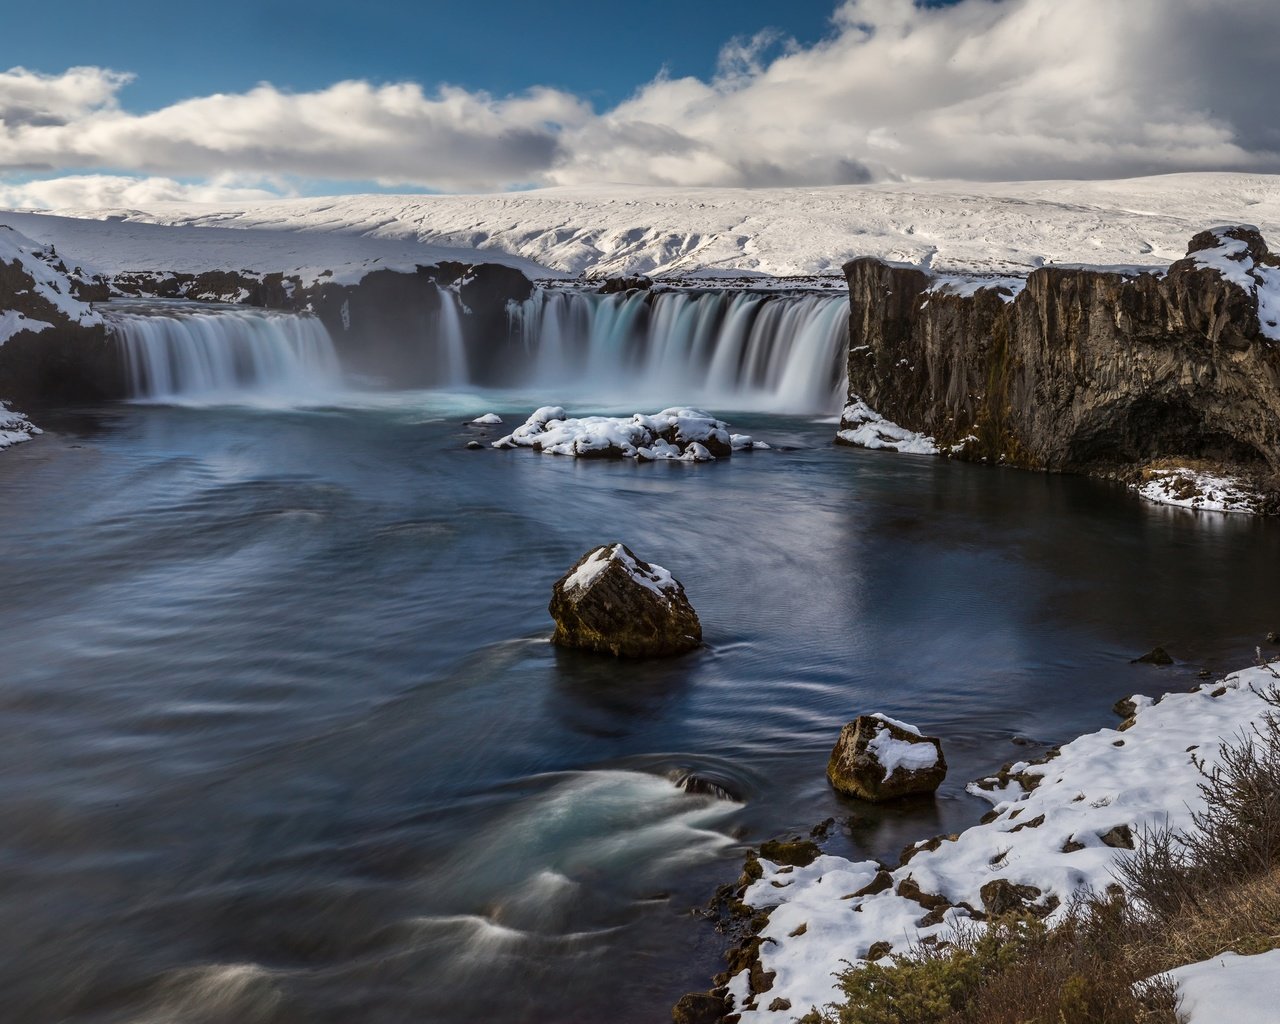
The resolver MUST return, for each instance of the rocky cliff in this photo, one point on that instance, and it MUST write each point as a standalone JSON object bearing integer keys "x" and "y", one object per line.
{"x": 1082, "y": 370}
{"x": 53, "y": 344}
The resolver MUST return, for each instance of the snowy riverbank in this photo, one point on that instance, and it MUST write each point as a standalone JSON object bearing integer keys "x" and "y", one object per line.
{"x": 14, "y": 427}
{"x": 1057, "y": 828}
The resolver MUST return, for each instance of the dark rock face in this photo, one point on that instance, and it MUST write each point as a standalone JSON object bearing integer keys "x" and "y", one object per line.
{"x": 875, "y": 759}
{"x": 612, "y": 602}
{"x": 1084, "y": 370}
{"x": 69, "y": 361}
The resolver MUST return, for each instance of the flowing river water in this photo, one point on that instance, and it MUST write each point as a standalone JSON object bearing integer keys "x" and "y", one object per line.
{"x": 282, "y": 739}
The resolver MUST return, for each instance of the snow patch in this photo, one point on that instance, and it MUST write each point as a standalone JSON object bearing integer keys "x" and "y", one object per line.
{"x": 1198, "y": 489}
{"x": 1230, "y": 987}
{"x": 1008, "y": 288}
{"x": 11, "y": 322}
{"x": 863, "y": 427}
{"x": 895, "y": 753}
{"x": 15, "y": 427}
{"x": 655, "y": 578}
{"x": 488, "y": 418}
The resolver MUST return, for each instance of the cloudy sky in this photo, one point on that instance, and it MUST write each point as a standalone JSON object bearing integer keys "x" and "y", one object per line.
{"x": 147, "y": 103}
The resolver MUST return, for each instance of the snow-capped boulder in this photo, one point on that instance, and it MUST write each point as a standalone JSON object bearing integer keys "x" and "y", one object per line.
{"x": 612, "y": 602}
{"x": 877, "y": 758}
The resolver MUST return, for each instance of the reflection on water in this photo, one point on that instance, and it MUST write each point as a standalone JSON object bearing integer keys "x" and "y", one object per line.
{"x": 281, "y": 738}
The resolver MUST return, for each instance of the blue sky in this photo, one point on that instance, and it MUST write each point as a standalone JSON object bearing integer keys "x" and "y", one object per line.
{"x": 133, "y": 103}
{"x": 599, "y": 50}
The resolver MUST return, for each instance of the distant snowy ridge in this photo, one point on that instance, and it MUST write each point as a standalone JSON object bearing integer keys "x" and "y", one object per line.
{"x": 950, "y": 227}
{"x": 117, "y": 243}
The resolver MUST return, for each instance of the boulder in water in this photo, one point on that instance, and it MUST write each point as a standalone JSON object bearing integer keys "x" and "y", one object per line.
{"x": 1156, "y": 656}
{"x": 612, "y": 602}
{"x": 877, "y": 758}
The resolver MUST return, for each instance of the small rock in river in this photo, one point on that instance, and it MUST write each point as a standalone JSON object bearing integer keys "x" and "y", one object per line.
{"x": 612, "y": 602}
{"x": 876, "y": 758}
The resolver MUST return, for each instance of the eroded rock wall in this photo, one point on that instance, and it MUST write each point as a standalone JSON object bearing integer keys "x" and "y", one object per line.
{"x": 1081, "y": 370}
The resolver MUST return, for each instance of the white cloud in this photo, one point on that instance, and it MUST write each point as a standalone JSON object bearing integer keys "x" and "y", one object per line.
{"x": 30, "y": 98}
{"x": 107, "y": 191}
{"x": 984, "y": 89}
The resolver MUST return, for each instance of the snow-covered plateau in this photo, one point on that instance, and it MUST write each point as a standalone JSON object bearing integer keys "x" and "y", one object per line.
{"x": 949, "y": 227}
{"x": 1059, "y": 825}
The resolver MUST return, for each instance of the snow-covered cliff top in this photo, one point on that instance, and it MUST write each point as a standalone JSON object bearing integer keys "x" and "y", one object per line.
{"x": 112, "y": 242}
{"x": 619, "y": 229}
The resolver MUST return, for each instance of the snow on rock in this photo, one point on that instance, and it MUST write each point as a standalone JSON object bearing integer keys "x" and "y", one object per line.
{"x": 1188, "y": 487}
{"x": 45, "y": 289}
{"x": 488, "y": 418}
{"x": 1229, "y": 251}
{"x": 1008, "y": 288}
{"x": 949, "y": 227}
{"x": 677, "y": 434}
{"x": 877, "y": 758}
{"x": 613, "y": 602}
{"x": 863, "y": 427}
{"x": 12, "y": 321}
{"x": 1230, "y": 987}
{"x": 1060, "y": 826}
{"x": 14, "y": 427}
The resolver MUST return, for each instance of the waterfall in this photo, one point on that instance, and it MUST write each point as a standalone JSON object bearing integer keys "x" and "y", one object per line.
{"x": 182, "y": 349}
{"x": 451, "y": 339}
{"x": 779, "y": 352}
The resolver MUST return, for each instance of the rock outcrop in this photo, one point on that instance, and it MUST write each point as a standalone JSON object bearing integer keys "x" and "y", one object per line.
{"x": 53, "y": 345}
{"x": 1081, "y": 370}
{"x": 879, "y": 759}
{"x": 612, "y": 602}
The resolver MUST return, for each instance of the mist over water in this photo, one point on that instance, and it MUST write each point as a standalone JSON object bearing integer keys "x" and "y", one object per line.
{"x": 283, "y": 740}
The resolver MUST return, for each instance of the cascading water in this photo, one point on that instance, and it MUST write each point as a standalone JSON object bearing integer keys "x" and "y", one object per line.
{"x": 177, "y": 350}
{"x": 779, "y": 352}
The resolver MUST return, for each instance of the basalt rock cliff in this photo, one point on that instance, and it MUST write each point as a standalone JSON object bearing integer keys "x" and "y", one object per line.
{"x": 1082, "y": 370}
{"x": 53, "y": 346}
{"x": 56, "y": 348}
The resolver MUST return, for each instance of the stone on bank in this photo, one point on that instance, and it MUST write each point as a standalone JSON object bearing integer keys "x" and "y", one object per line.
{"x": 613, "y": 602}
